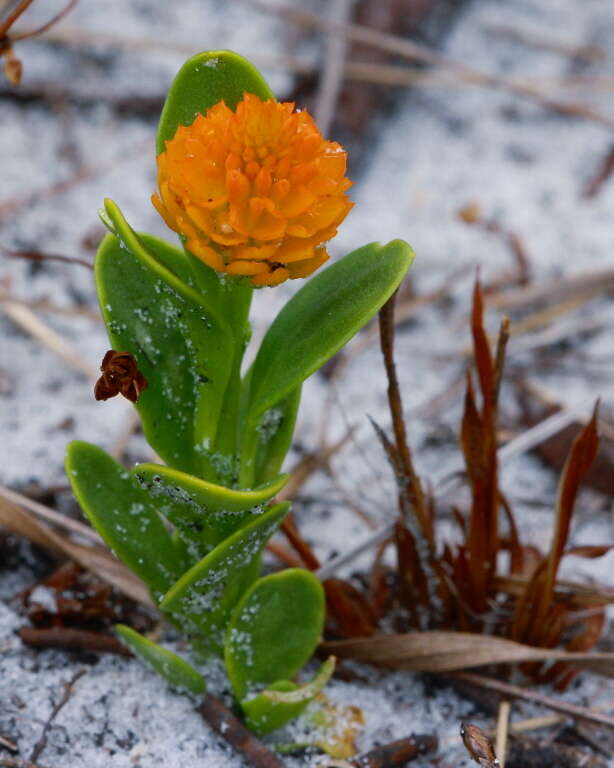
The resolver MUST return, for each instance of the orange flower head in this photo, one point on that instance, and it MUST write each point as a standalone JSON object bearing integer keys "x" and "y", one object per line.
{"x": 254, "y": 192}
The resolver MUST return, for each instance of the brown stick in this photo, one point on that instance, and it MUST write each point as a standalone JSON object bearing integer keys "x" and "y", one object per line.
{"x": 33, "y": 255}
{"x": 47, "y": 25}
{"x": 605, "y": 170}
{"x": 13, "y": 16}
{"x": 72, "y": 639}
{"x": 397, "y": 753}
{"x": 301, "y": 547}
{"x": 17, "y": 762}
{"x": 516, "y": 692}
{"x": 68, "y": 689}
{"x": 223, "y": 722}
{"x": 413, "y": 486}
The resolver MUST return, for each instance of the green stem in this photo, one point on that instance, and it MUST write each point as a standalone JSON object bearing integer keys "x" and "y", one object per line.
{"x": 227, "y": 440}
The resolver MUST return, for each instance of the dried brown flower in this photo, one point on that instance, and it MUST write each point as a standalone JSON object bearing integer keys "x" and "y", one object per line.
{"x": 120, "y": 376}
{"x": 478, "y": 745}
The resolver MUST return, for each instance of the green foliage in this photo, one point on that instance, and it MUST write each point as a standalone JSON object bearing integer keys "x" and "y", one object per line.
{"x": 181, "y": 346}
{"x": 284, "y": 700}
{"x": 124, "y": 516}
{"x": 203, "y": 513}
{"x": 175, "y": 670}
{"x": 314, "y": 325}
{"x": 193, "y": 529}
{"x": 203, "y": 81}
{"x": 203, "y": 598}
{"x": 274, "y": 629}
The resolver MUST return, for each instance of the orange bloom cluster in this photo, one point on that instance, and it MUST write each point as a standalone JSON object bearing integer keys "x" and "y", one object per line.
{"x": 255, "y": 192}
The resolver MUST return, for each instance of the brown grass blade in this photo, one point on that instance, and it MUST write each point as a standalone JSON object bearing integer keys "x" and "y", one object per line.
{"x": 95, "y": 559}
{"x": 449, "y": 651}
{"x": 581, "y": 456}
{"x": 576, "y": 594}
{"x": 349, "y": 608}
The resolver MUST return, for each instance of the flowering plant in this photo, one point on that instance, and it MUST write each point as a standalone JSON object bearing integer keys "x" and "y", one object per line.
{"x": 254, "y": 192}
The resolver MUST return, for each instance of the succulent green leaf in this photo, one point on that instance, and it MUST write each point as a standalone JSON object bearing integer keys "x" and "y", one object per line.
{"x": 203, "y": 81}
{"x": 273, "y": 630}
{"x": 124, "y": 515}
{"x": 204, "y": 513}
{"x": 179, "y": 342}
{"x": 175, "y": 670}
{"x": 322, "y": 317}
{"x": 203, "y": 598}
{"x": 283, "y": 701}
{"x": 266, "y": 443}
{"x": 275, "y": 431}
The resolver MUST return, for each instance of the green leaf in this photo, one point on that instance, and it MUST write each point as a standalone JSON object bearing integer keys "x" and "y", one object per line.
{"x": 322, "y": 317}
{"x": 175, "y": 670}
{"x": 183, "y": 348}
{"x": 203, "y": 598}
{"x": 274, "y": 629}
{"x": 124, "y": 516}
{"x": 203, "y": 81}
{"x": 275, "y": 432}
{"x": 283, "y": 701}
{"x": 204, "y": 513}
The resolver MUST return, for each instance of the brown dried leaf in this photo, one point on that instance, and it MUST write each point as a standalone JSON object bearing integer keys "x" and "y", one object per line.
{"x": 349, "y": 608}
{"x": 448, "y": 651}
{"x": 582, "y": 455}
{"x": 95, "y": 559}
{"x": 13, "y": 68}
{"x": 478, "y": 745}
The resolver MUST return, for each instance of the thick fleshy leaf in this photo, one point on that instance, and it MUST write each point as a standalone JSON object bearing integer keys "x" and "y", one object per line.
{"x": 283, "y": 701}
{"x": 204, "y": 597}
{"x": 273, "y": 438}
{"x": 205, "y": 514}
{"x": 321, "y": 318}
{"x": 124, "y": 516}
{"x": 273, "y": 630}
{"x": 180, "y": 344}
{"x": 203, "y": 81}
{"x": 175, "y": 670}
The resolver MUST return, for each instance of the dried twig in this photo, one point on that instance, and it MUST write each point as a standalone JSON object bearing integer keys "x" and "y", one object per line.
{"x": 65, "y": 638}
{"x": 227, "y": 725}
{"x": 50, "y": 515}
{"x": 603, "y": 173}
{"x": 45, "y": 27}
{"x": 13, "y": 15}
{"x": 516, "y": 692}
{"x": 420, "y": 52}
{"x": 6, "y": 744}
{"x": 591, "y": 282}
{"x": 530, "y": 37}
{"x": 446, "y": 483}
{"x": 332, "y": 76}
{"x": 409, "y": 483}
{"x": 34, "y": 255}
{"x": 310, "y": 463}
{"x": 397, "y": 753}
{"x": 17, "y": 762}
{"x": 30, "y": 322}
{"x": 47, "y": 306}
{"x": 10, "y": 206}
{"x": 503, "y": 723}
{"x": 93, "y": 558}
{"x": 68, "y": 689}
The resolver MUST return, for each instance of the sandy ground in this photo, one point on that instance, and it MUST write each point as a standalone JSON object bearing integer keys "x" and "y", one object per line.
{"x": 438, "y": 150}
